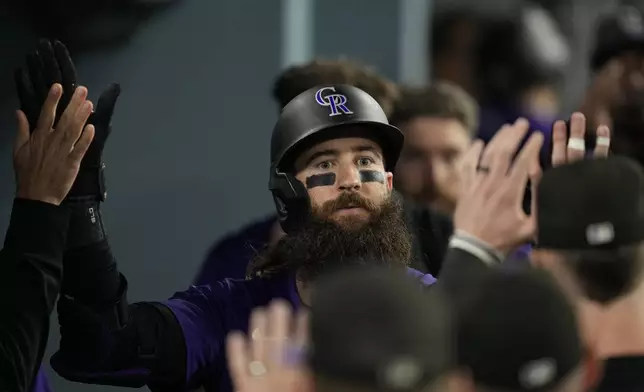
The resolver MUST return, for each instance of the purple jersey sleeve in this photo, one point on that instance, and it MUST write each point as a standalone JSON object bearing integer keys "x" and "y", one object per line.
{"x": 41, "y": 383}
{"x": 206, "y": 314}
{"x": 229, "y": 258}
{"x": 425, "y": 279}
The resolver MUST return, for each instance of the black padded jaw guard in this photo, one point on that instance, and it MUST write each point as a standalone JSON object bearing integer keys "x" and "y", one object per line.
{"x": 291, "y": 199}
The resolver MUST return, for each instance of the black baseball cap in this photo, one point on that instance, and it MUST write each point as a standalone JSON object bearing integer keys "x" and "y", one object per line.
{"x": 618, "y": 32}
{"x": 591, "y": 204}
{"x": 518, "y": 332}
{"x": 380, "y": 328}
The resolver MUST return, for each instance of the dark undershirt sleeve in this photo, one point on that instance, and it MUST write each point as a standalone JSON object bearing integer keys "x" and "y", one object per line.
{"x": 461, "y": 273}
{"x": 105, "y": 340}
{"x": 30, "y": 279}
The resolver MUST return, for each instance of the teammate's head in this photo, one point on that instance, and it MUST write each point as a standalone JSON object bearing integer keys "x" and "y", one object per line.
{"x": 520, "y": 58}
{"x": 375, "y": 329}
{"x": 299, "y": 78}
{"x": 438, "y": 122}
{"x": 332, "y": 157}
{"x": 517, "y": 332}
{"x": 619, "y": 55}
{"x": 453, "y": 39}
{"x": 589, "y": 216}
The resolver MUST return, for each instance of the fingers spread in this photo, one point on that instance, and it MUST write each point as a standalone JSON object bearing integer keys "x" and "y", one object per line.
{"x": 468, "y": 164}
{"x": 69, "y": 132}
{"x": 35, "y": 69}
{"x": 67, "y": 69}
{"x": 501, "y": 153}
{"x": 258, "y": 326}
{"x": 526, "y": 163}
{"x": 278, "y": 330}
{"x": 83, "y": 143}
{"x": 559, "y": 141}
{"x": 48, "y": 112}
{"x": 576, "y": 143}
{"x": 602, "y": 144}
{"x": 237, "y": 353}
{"x": 80, "y": 94}
{"x": 51, "y": 72}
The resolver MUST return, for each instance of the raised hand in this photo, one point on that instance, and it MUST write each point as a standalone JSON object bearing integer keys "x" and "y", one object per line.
{"x": 47, "y": 160}
{"x": 566, "y": 149}
{"x": 490, "y": 208}
{"x": 267, "y": 361}
{"x": 49, "y": 64}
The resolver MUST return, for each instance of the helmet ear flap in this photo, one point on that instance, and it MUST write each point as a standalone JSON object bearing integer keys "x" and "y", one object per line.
{"x": 291, "y": 199}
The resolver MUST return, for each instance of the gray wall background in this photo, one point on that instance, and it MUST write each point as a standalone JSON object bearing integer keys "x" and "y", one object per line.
{"x": 187, "y": 159}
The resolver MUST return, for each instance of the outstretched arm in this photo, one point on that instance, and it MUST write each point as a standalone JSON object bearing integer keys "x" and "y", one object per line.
{"x": 31, "y": 263}
{"x": 46, "y": 163}
{"x": 104, "y": 339}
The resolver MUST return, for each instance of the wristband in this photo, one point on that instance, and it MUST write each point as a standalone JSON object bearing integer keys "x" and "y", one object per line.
{"x": 476, "y": 247}
{"x": 89, "y": 184}
{"x": 86, "y": 224}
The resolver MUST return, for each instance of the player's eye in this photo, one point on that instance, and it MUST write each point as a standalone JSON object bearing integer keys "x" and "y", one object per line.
{"x": 326, "y": 165}
{"x": 365, "y": 161}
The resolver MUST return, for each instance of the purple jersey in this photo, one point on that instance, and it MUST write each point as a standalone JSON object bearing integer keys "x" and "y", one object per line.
{"x": 207, "y": 313}
{"x": 40, "y": 383}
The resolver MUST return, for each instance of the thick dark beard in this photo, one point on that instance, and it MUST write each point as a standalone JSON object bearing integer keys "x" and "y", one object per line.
{"x": 323, "y": 245}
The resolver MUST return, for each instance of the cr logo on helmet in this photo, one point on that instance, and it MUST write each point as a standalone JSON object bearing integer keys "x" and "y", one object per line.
{"x": 335, "y": 102}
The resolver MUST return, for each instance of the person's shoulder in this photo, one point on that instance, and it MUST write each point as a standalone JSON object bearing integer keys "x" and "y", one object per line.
{"x": 425, "y": 279}
{"x": 256, "y": 231}
{"x": 229, "y": 256}
{"x": 220, "y": 289}
{"x": 254, "y": 292}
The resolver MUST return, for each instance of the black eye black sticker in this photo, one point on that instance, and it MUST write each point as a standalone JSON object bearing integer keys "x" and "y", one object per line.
{"x": 372, "y": 176}
{"x": 328, "y": 179}
{"x": 325, "y": 179}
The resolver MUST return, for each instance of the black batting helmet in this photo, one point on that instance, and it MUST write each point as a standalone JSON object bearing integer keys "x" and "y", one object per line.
{"x": 320, "y": 114}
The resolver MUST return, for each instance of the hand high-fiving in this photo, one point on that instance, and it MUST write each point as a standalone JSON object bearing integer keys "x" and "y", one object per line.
{"x": 269, "y": 359}
{"x": 571, "y": 148}
{"x": 47, "y": 160}
{"x": 494, "y": 180}
{"x": 51, "y": 64}
{"x": 490, "y": 208}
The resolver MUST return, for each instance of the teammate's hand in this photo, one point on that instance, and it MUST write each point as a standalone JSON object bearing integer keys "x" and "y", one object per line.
{"x": 49, "y": 64}
{"x": 490, "y": 208}
{"x": 570, "y": 149}
{"x": 47, "y": 160}
{"x": 270, "y": 359}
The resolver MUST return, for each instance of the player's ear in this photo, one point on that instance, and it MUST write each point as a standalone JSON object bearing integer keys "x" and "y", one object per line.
{"x": 389, "y": 180}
